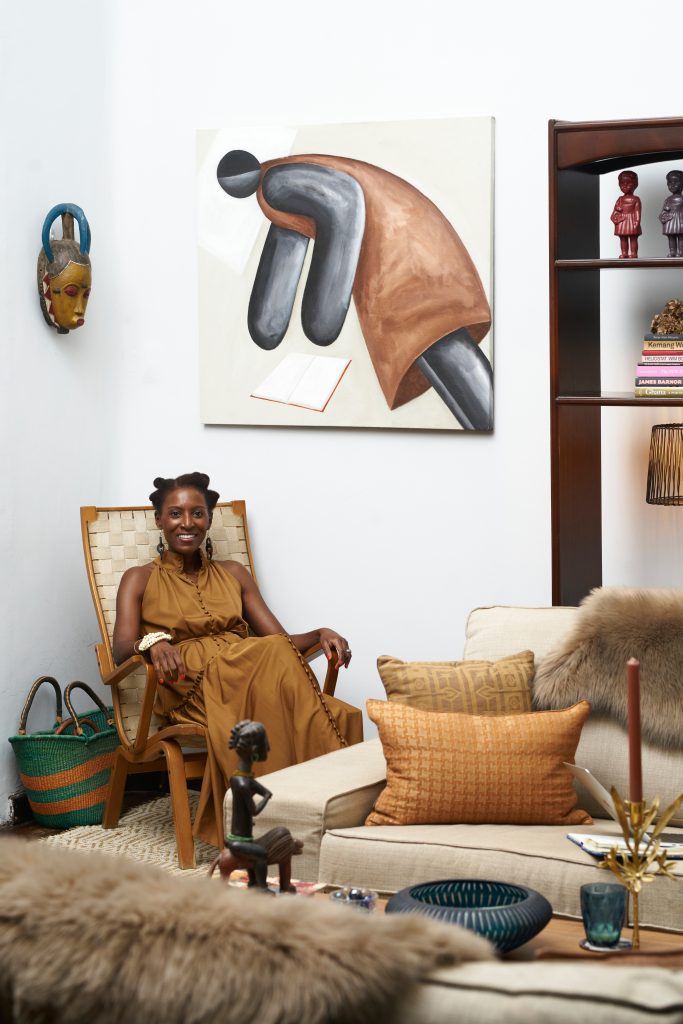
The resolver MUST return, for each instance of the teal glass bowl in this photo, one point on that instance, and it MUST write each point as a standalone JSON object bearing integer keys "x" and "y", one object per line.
{"x": 505, "y": 914}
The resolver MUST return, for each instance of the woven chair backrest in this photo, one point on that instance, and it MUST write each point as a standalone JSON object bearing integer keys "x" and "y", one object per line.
{"x": 115, "y": 539}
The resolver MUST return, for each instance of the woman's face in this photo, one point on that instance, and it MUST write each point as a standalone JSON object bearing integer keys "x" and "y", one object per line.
{"x": 69, "y": 293}
{"x": 675, "y": 182}
{"x": 184, "y": 520}
{"x": 627, "y": 184}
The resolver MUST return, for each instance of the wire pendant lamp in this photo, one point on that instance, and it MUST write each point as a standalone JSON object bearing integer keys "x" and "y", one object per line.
{"x": 665, "y": 467}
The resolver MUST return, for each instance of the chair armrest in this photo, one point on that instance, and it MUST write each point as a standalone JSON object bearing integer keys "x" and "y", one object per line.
{"x": 337, "y": 790}
{"x": 123, "y": 670}
{"x": 330, "y": 684}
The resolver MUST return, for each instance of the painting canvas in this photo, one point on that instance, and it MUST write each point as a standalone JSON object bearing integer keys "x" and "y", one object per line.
{"x": 345, "y": 274}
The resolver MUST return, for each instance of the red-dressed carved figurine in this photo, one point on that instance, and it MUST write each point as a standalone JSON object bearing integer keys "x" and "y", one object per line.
{"x": 626, "y": 216}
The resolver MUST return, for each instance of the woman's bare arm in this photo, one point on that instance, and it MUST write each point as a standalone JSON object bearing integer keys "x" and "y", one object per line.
{"x": 128, "y": 609}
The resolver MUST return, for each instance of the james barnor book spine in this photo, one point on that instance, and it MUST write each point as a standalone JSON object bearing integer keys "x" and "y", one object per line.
{"x": 657, "y": 392}
{"x": 659, "y": 382}
{"x": 662, "y": 358}
{"x": 648, "y": 370}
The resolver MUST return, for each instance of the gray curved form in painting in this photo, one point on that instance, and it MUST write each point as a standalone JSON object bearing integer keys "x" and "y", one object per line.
{"x": 272, "y": 297}
{"x": 335, "y": 202}
{"x": 461, "y": 375}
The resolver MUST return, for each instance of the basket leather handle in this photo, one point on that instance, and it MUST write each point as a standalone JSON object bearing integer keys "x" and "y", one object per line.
{"x": 78, "y": 685}
{"x": 29, "y": 701}
{"x": 78, "y": 724}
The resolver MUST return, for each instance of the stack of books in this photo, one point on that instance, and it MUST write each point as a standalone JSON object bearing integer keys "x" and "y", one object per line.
{"x": 659, "y": 374}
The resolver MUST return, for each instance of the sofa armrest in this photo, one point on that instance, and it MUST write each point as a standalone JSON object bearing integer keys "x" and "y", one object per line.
{"x": 337, "y": 790}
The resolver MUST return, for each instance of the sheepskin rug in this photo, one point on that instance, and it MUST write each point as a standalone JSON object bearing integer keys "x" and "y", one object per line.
{"x": 90, "y": 938}
{"x": 613, "y": 625}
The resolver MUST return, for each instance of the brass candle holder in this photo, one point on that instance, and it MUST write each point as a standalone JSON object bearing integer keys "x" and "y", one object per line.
{"x": 643, "y": 857}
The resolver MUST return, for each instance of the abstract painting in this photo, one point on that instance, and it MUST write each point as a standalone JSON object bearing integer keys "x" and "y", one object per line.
{"x": 345, "y": 275}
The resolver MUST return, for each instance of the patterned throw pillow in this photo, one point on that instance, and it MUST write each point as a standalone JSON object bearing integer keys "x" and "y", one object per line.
{"x": 446, "y": 768}
{"x": 473, "y": 687}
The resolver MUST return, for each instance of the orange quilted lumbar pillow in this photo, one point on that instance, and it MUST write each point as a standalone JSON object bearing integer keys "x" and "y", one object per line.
{"x": 447, "y": 768}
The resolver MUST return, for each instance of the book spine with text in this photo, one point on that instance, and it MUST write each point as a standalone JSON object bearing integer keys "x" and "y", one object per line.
{"x": 662, "y": 358}
{"x": 659, "y": 382}
{"x": 673, "y": 342}
{"x": 647, "y": 370}
{"x": 658, "y": 392}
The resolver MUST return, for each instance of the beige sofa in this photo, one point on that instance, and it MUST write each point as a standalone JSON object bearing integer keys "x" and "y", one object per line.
{"x": 325, "y": 803}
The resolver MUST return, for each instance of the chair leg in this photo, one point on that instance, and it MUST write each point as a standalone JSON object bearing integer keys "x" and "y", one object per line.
{"x": 180, "y": 804}
{"x": 117, "y": 785}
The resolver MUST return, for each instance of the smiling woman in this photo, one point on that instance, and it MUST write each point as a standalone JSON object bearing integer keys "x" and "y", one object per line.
{"x": 192, "y": 617}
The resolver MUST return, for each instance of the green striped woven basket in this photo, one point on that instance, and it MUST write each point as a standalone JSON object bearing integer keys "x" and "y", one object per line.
{"x": 65, "y": 771}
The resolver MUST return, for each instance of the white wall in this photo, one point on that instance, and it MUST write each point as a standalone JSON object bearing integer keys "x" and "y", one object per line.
{"x": 391, "y": 537}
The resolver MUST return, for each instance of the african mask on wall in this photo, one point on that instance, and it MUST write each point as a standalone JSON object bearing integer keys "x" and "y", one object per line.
{"x": 64, "y": 274}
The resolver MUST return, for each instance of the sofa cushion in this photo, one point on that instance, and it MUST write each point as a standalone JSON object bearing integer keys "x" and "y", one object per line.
{"x": 537, "y": 993}
{"x": 448, "y": 767}
{"x": 496, "y": 631}
{"x": 472, "y": 687}
{"x": 603, "y": 748}
{"x": 499, "y": 630}
{"x": 332, "y": 791}
{"x": 391, "y": 857}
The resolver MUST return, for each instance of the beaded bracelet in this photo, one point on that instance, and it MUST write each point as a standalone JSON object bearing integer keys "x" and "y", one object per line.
{"x": 149, "y": 640}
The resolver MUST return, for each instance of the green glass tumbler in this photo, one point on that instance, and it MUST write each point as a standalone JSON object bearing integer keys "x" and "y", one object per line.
{"x": 603, "y": 908}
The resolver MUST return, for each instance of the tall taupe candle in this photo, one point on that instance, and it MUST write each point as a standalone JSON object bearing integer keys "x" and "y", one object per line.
{"x": 635, "y": 770}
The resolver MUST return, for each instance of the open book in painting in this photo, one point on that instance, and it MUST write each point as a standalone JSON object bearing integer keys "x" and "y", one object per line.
{"x": 306, "y": 381}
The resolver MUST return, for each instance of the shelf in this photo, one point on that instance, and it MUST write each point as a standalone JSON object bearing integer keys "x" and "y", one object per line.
{"x": 659, "y": 263}
{"x": 615, "y": 398}
{"x": 579, "y": 154}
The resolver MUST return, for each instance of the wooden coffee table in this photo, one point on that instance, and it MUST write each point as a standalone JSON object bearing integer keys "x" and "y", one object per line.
{"x": 560, "y": 939}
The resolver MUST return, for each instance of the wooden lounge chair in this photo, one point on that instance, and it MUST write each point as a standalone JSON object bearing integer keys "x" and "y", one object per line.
{"x": 114, "y": 539}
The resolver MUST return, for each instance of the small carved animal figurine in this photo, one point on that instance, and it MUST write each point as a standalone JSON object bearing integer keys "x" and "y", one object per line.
{"x": 277, "y": 846}
{"x": 64, "y": 273}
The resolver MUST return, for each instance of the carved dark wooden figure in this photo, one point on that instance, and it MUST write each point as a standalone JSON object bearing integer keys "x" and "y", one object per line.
{"x": 277, "y": 846}
{"x": 672, "y": 213}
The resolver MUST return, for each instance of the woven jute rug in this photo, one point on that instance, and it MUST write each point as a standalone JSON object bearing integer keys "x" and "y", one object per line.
{"x": 144, "y": 834}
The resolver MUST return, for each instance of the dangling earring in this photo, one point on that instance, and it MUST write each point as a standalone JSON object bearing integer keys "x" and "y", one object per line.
{"x": 209, "y": 548}
{"x": 160, "y": 545}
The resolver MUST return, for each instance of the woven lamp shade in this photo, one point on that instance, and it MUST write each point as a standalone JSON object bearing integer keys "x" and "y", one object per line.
{"x": 665, "y": 468}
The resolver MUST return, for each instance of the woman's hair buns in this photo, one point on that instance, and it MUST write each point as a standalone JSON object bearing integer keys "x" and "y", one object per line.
{"x": 200, "y": 481}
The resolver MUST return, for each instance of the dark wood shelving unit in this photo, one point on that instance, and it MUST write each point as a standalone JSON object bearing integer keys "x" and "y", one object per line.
{"x": 579, "y": 153}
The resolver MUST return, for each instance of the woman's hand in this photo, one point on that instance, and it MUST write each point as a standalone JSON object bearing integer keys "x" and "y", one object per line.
{"x": 167, "y": 662}
{"x": 335, "y": 646}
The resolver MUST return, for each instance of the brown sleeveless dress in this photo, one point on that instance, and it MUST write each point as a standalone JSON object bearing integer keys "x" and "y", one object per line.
{"x": 231, "y": 676}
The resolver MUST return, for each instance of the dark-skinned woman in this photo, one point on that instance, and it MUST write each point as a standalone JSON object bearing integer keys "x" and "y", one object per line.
{"x": 191, "y": 616}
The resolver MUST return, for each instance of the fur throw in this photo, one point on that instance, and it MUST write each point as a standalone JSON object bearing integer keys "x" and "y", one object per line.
{"x": 85, "y": 938}
{"x": 613, "y": 625}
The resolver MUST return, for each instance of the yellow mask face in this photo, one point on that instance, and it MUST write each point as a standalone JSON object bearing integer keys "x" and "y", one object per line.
{"x": 69, "y": 293}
